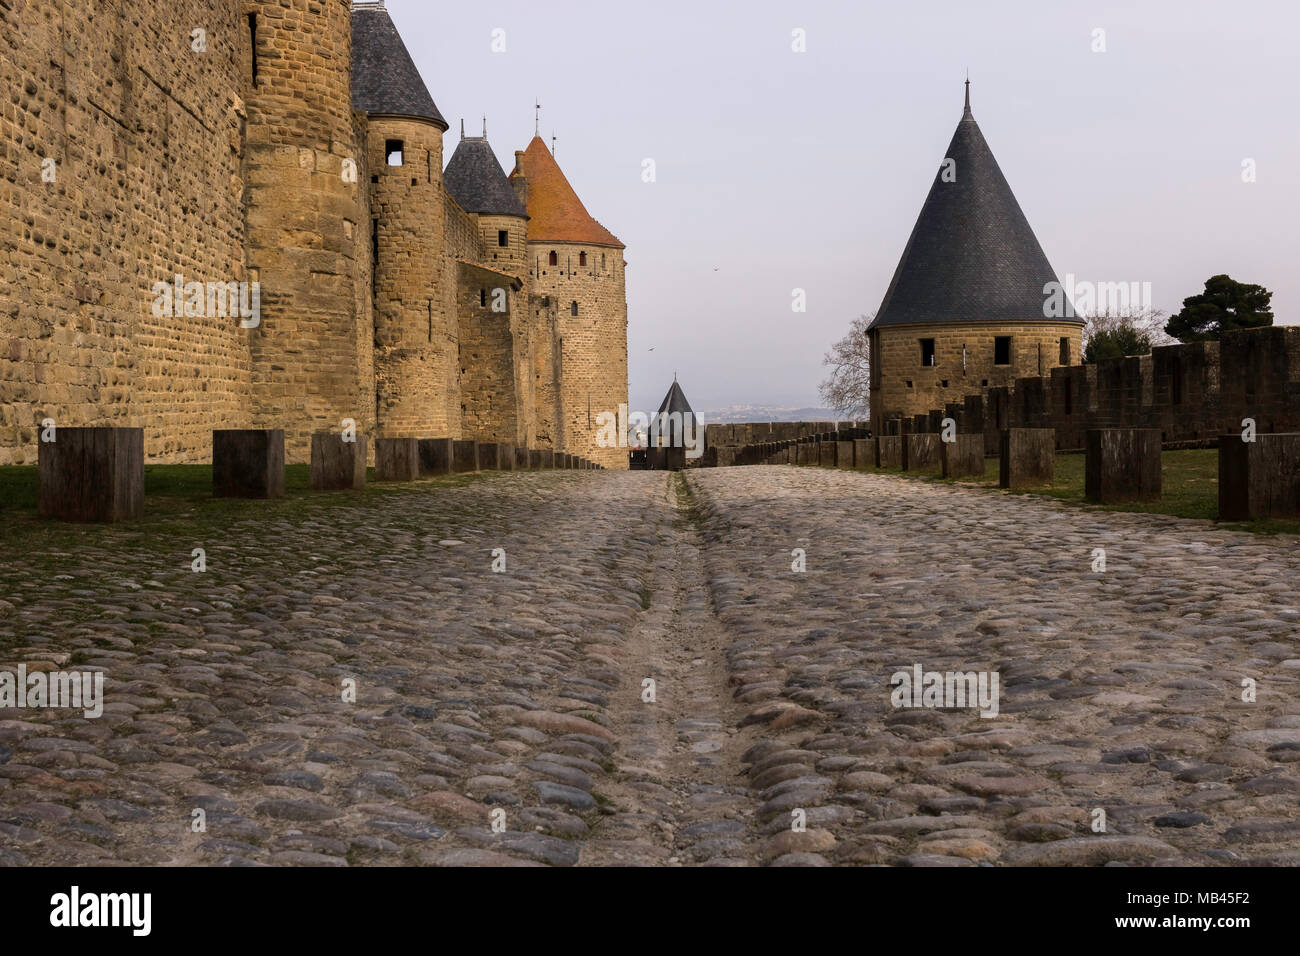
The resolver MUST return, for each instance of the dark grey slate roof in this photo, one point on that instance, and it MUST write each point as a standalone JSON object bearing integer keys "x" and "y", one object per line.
{"x": 972, "y": 256}
{"x": 675, "y": 401}
{"x": 476, "y": 180}
{"x": 384, "y": 79}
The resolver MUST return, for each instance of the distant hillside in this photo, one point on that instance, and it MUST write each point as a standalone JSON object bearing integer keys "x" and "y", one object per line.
{"x": 766, "y": 413}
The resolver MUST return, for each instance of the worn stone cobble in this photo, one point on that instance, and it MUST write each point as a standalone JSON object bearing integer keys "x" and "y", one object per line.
{"x": 520, "y": 699}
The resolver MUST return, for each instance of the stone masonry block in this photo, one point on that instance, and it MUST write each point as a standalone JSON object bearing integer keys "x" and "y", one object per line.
{"x": 844, "y": 454}
{"x": 826, "y": 454}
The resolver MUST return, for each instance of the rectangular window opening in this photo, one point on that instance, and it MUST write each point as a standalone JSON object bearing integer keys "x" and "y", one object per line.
{"x": 927, "y": 352}
{"x": 1002, "y": 350}
{"x": 1065, "y": 350}
{"x": 503, "y": 237}
{"x": 393, "y": 150}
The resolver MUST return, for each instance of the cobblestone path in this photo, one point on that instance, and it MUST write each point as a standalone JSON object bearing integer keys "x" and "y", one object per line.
{"x": 504, "y": 718}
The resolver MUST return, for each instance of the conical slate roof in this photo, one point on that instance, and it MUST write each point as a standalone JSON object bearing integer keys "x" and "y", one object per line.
{"x": 556, "y": 213}
{"x": 385, "y": 81}
{"x": 972, "y": 256}
{"x": 675, "y": 401}
{"x": 476, "y": 180}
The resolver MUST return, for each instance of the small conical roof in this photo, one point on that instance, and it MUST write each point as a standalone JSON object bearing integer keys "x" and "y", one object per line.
{"x": 385, "y": 81}
{"x": 675, "y": 401}
{"x": 475, "y": 179}
{"x": 555, "y": 212}
{"x": 972, "y": 256}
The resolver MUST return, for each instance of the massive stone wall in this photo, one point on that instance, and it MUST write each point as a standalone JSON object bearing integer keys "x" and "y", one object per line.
{"x": 232, "y": 164}
{"x": 964, "y": 360}
{"x": 592, "y": 373}
{"x": 146, "y": 139}
{"x": 1193, "y": 393}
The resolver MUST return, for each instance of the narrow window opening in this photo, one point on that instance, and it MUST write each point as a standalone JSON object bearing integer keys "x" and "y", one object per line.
{"x": 927, "y": 351}
{"x": 1065, "y": 350}
{"x": 252, "y": 40}
{"x": 393, "y": 150}
{"x": 554, "y": 259}
{"x": 482, "y": 296}
{"x": 909, "y": 383}
{"x": 573, "y": 307}
{"x": 984, "y": 383}
{"x": 582, "y": 258}
{"x": 503, "y": 237}
{"x": 944, "y": 383}
{"x": 1002, "y": 350}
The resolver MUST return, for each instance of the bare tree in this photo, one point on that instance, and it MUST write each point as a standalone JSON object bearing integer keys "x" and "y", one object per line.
{"x": 847, "y": 389}
{"x": 1128, "y": 332}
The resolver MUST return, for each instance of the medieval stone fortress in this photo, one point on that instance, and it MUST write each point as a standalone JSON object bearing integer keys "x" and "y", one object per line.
{"x": 293, "y": 148}
{"x": 312, "y": 553}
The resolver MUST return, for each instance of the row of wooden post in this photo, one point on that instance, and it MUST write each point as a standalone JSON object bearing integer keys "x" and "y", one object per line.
{"x": 97, "y": 474}
{"x": 1258, "y": 478}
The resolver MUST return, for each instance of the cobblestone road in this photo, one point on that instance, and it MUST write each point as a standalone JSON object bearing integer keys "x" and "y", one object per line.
{"x": 518, "y": 701}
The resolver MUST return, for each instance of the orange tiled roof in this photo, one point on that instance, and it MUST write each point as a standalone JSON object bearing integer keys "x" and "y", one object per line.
{"x": 554, "y": 209}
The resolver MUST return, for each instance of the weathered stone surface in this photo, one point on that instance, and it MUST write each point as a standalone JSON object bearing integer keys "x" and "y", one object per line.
{"x": 336, "y": 463}
{"x": 1123, "y": 464}
{"x": 248, "y": 463}
{"x": 1028, "y": 457}
{"x": 963, "y": 457}
{"x": 489, "y": 456}
{"x": 1259, "y": 479}
{"x": 397, "y": 459}
{"x": 844, "y": 454}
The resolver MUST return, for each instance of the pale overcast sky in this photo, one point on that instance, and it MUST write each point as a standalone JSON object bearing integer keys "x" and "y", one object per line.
{"x": 778, "y": 170}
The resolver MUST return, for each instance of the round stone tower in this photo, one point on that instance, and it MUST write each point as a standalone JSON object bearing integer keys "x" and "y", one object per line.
{"x": 967, "y": 307}
{"x": 578, "y": 262}
{"x": 415, "y": 341}
{"x": 304, "y": 203}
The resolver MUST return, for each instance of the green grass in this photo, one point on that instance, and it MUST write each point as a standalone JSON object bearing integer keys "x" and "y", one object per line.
{"x": 178, "y": 499}
{"x": 1189, "y": 488}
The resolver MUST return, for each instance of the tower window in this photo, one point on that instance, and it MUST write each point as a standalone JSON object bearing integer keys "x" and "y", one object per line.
{"x": 944, "y": 383}
{"x": 1065, "y": 350}
{"x": 554, "y": 260}
{"x": 909, "y": 383}
{"x": 1002, "y": 350}
{"x": 927, "y": 351}
{"x": 393, "y": 150}
{"x": 582, "y": 258}
{"x": 252, "y": 42}
{"x": 503, "y": 237}
{"x": 482, "y": 296}
{"x": 573, "y": 307}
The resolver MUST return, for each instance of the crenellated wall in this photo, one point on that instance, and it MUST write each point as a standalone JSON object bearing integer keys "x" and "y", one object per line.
{"x": 1193, "y": 393}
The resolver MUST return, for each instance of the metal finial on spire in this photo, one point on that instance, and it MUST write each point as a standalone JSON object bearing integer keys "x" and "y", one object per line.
{"x": 552, "y": 144}
{"x": 462, "y": 127}
{"x": 968, "y": 91}
{"x": 485, "y": 126}
{"x": 537, "y": 116}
